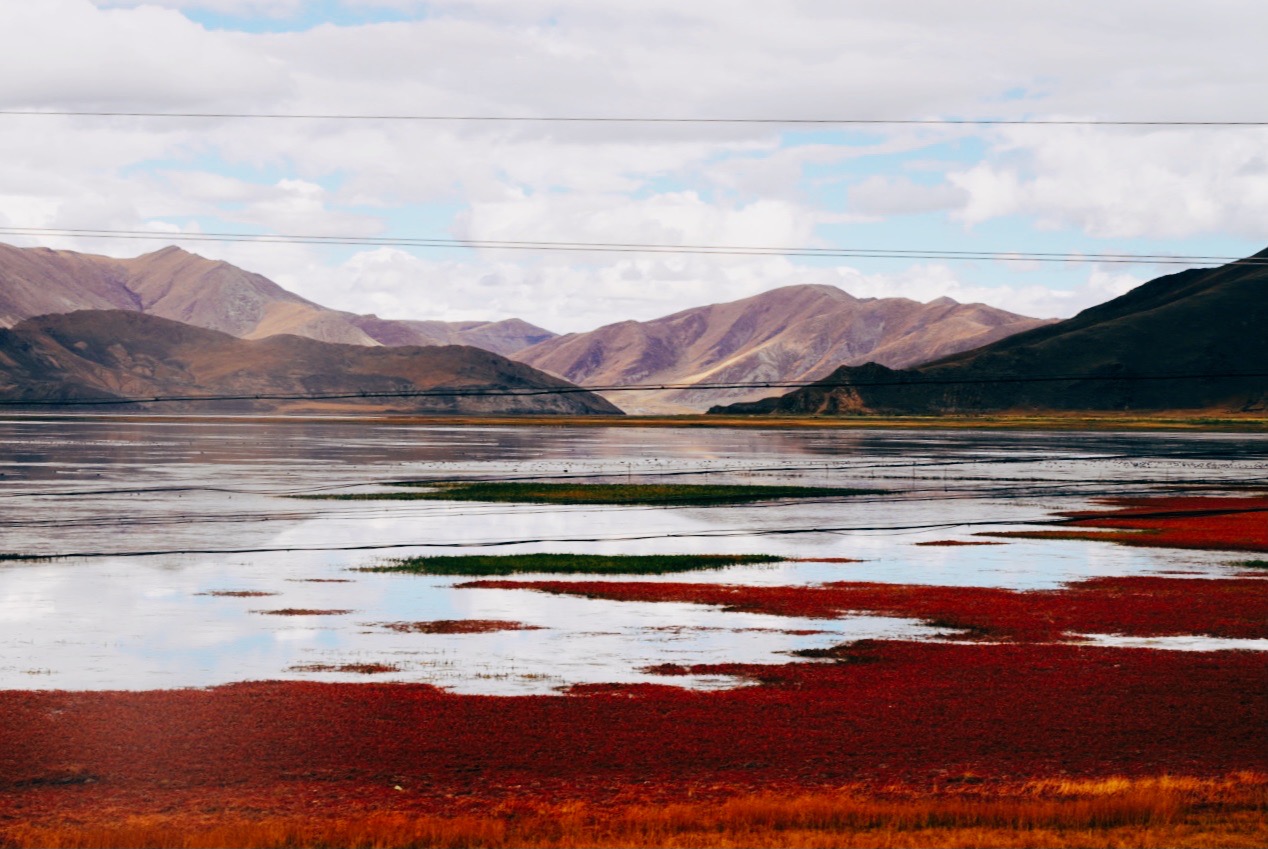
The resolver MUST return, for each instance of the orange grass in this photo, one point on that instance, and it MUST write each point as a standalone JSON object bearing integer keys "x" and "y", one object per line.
{"x": 1114, "y": 811}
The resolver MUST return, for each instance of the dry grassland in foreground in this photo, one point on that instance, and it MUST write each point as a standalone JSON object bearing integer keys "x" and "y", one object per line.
{"x": 1165, "y": 811}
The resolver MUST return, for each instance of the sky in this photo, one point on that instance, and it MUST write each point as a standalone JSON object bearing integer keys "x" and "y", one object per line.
{"x": 1069, "y": 189}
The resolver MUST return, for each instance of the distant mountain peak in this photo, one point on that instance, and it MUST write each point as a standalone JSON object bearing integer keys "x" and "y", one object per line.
{"x": 797, "y": 332}
{"x": 1193, "y": 340}
{"x": 174, "y": 283}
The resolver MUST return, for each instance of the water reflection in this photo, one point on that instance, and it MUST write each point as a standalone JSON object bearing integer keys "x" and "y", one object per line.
{"x": 184, "y": 485}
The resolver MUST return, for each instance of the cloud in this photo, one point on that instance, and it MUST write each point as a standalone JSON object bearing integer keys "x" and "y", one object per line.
{"x": 890, "y": 196}
{"x": 269, "y": 8}
{"x": 68, "y": 54}
{"x": 673, "y": 218}
{"x": 1114, "y": 183}
{"x": 758, "y": 184}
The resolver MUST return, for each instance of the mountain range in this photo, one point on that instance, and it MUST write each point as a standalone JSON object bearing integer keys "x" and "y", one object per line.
{"x": 1195, "y": 340}
{"x": 173, "y": 283}
{"x": 1192, "y": 340}
{"x": 788, "y": 334}
{"x": 112, "y": 354}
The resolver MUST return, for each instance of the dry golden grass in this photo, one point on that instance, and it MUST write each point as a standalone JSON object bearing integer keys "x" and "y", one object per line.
{"x": 1111, "y": 812}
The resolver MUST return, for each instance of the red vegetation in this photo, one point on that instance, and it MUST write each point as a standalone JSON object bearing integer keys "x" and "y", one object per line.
{"x": 924, "y": 714}
{"x": 237, "y": 593}
{"x": 1205, "y": 522}
{"x": 301, "y": 611}
{"x": 1135, "y": 606}
{"x": 456, "y": 626}
{"x": 951, "y": 542}
{"x": 823, "y": 560}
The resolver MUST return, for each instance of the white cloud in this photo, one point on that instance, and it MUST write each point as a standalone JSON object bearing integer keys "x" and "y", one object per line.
{"x": 68, "y": 54}
{"x": 887, "y": 196}
{"x": 675, "y": 218}
{"x": 615, "y": 182}
{"x": 1114, "y": 183}
{"x": 270, "y": 8}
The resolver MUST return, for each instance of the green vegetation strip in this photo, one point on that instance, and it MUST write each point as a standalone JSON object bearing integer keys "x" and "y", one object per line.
{"x": 1254, "y": 564}
{"x": 568, "y": 564}
{"x": 599, "y": 493}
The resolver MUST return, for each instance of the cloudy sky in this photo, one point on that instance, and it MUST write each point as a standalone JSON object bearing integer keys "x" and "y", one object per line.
{"x": 997, "y": 188}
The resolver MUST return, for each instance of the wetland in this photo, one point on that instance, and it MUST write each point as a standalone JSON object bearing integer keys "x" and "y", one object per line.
{"x": 1061, "y": 626}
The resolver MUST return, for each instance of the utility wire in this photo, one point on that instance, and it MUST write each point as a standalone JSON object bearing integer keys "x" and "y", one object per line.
{"x": 642, "y": 387}
{"x": 638, "y": 247}
{"x": 602, "y": 119}
{"x": 706, "y": 534}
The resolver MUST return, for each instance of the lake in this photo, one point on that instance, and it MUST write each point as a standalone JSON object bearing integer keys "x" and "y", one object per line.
{"x": 148, "y": 518}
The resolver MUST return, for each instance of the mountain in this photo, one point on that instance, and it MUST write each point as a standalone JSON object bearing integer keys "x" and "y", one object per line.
{"x": 791, "y": 333}
{"x": 123, "y": 354}
{"x": 173, "y": 283}
{"x": 1139, "y": 351}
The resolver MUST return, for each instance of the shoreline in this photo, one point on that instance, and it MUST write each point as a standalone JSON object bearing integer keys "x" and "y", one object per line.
{"x": 1215, "y": 422}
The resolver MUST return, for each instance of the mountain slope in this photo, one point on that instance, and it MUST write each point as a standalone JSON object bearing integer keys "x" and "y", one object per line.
{"x": 1207, "y": 322}
{"x": 117, "y": 353}
{"x": 791, "y": 333}
{"x": 173, "y": 283}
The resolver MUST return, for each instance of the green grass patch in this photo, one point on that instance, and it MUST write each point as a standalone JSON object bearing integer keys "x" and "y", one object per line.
{"x": 599, "y": 493}
{"x": 567, "y": 564}
{"x": 1254, "y": 564}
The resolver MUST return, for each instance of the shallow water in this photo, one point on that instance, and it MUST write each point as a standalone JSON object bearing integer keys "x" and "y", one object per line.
{"x": 158, "y": 512}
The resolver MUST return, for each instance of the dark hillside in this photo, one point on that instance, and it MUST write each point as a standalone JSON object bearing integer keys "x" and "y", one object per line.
{"x": 116, "y": 353}
{"x": 1169, "y": 344}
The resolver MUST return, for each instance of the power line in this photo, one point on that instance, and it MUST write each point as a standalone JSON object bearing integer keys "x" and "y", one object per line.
{"x": 643, "y": 387}
{"x": 636, "y": 247}
{"x": 639, "y": 537}
{"x": 607, "y": 119}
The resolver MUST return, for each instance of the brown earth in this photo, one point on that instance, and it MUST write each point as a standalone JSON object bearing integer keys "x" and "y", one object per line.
{"x": 791, "y": 333}
{"x": 104, "y": 354}
{"x": 173, "y": 283}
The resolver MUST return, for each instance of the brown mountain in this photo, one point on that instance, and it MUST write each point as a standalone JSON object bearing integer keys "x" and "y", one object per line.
{"x": 106, "y": 354}
{"x": 792, "y": 333}
{"x": 1175, "y": 343}
{"x": 172, "y": 283}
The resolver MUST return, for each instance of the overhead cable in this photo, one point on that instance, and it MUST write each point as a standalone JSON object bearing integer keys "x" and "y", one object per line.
{"x": 626, "y": 119}
{"x": 633, "y": 247}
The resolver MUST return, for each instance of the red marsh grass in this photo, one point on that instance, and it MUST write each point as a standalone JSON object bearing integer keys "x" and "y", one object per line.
{"x": 953, "y": 542}
{"x": 456, "y": 626}
{"x": 939, "y": 744}
{"x": 1200, "y": 522}
{"x": 1142, "y": 606}
{"x": 822, "y": 560}
{"x": 237, "y": 593}
{"x": 302, "y": 611}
